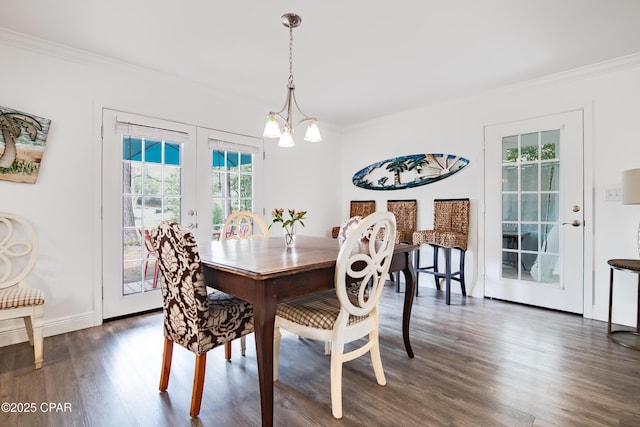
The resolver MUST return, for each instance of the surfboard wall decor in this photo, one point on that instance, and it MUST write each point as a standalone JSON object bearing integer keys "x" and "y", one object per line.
{"x": 408, "y": 171}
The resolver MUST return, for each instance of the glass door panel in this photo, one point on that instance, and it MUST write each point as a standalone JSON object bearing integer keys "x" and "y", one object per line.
{"x": 530, "y": 173}
{"x": 151, "y": 194}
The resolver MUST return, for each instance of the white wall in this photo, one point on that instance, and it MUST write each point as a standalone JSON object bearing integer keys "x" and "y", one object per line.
{"x": 610, "y": 96}
{"x": 71, "y": 88}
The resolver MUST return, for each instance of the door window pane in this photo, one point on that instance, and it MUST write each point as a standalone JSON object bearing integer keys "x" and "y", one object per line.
{"x": 150, "y": 194}
{"x": 528, "y": 236}
{"x": 529, "y": 147}
{"x": 232, "y": 185}
{"x": 529, "y": 177}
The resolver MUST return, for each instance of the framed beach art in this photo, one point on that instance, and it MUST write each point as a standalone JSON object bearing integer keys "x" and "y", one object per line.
{"x": 22, "y": 140}
{"x": 408, "y": 171}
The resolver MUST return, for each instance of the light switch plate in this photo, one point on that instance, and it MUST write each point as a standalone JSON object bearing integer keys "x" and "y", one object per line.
{"x": 613, "y": 194}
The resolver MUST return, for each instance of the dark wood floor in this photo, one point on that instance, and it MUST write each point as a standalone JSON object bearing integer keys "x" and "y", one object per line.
{"x": 478, "y": 363}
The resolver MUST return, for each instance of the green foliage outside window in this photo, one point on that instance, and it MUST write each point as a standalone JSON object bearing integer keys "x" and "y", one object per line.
{"x": 530, "y": 153}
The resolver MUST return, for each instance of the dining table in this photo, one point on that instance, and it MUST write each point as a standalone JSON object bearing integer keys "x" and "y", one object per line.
{"x": 264, "y": 272}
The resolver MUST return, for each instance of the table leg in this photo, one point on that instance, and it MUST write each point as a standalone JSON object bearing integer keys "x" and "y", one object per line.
{"x": 610, "y": 301}
{"x": 264, "y": 314}
{"x": 411, "y": 284}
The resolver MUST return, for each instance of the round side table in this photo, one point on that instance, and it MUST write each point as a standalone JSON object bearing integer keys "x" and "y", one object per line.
{"x": 632, "y": 266}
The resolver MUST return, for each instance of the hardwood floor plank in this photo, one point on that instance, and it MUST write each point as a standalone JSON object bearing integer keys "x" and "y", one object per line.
{"x": 478, "y": 362}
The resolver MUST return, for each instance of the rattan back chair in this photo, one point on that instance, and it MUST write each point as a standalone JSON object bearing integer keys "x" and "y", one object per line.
{"x": 406, "y": 213}
{"x": 361, "y": 208}
{"x": 450, "y": 231}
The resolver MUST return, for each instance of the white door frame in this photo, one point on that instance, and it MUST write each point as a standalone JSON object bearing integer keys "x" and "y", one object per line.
{"x": 588, "y": 183}
{"x": 113, "y": 303}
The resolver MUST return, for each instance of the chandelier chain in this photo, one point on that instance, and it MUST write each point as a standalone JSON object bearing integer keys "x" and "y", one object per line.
{"x": 290, "y": 54}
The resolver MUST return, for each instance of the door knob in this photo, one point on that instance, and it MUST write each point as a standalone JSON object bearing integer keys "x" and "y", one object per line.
{"x": 575, "y": 223}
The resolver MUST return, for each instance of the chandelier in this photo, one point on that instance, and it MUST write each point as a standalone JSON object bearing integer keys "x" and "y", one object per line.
{"x": 278, "y": 124}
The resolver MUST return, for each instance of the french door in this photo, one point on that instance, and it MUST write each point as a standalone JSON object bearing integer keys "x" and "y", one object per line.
{"x": 148, "y": 177}
{"x": 534, "y": 211}
{"x": 156, "y": 170}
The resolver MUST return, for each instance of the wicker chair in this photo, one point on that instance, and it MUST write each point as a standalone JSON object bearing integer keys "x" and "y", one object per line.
{"x": 450, "y": 231}
{"x": 360, "y": 208}
{"x": 406, "y": 213}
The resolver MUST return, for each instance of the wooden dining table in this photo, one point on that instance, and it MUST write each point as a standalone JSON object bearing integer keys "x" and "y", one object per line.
{"x": 264, "y": 272}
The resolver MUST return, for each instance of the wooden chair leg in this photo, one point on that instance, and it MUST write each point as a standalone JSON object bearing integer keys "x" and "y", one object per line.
{"x": 227, "y": 350}
{"x": 337, "y": 356}
{"x": 34, "y": 327}
{"x": 198, "y": 384}
{"x": 277, "y": 338}
{"x": 166, "y": 364}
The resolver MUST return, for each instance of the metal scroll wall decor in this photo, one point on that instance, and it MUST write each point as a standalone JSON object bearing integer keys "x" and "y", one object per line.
{"x": 408, "y": 171}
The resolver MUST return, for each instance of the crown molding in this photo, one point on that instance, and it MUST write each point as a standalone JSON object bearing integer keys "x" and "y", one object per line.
{"x": 56, "y": 50}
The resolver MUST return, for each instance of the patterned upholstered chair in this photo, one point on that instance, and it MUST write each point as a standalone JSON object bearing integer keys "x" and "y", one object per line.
{"x": 242, "y": 225}
{"x": 18, "y": 252}
{"x": 193, "y": 318}
{"x": 406, "y": 213}
{"x": 340, "y": 316}
{"x": 450, "y": 231}
{"x": 360, "y": 208}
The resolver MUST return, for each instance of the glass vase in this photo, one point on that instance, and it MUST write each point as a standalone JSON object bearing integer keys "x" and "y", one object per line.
{"x": 290, "y": 236}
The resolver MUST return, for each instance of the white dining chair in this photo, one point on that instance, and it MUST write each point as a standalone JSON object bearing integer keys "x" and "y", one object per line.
{"x": 18, "y": 253}
{"x": 340, "y": 316}
{"x": 242, "y": 225}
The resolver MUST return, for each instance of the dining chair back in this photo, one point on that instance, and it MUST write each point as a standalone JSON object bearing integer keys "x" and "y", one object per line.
{"x": 406, "y": 213}
{"x": 342, "y": 316}
{"x": 194, "y": 318}
{"x": 361, "y": 208}
{"x": 243, "y": 225}
{"x": 18, "y": 253}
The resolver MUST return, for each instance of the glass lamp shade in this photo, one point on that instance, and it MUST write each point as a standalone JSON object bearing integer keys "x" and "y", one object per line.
{"x": 313, "y": 133}
{"x": 286, "y": 139}
{"x": 272, "y": 128}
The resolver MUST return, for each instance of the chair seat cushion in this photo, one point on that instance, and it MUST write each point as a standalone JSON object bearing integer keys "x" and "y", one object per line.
{"x": 445, "y": 239}
{"x": 318, "y": 310}
{"x": 229, "y": 318}
{"x": 16, "y": 297}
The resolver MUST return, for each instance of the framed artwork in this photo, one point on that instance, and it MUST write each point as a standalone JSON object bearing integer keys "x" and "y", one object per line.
{"x": 22, "y": 141}
{"x": 408, "y": 171}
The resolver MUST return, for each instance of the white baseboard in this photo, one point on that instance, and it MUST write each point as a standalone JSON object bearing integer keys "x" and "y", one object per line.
{"x": 15, "y": 332}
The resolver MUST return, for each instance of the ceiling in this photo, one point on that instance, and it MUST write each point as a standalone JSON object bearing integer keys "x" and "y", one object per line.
{"x": 353, "y": 60}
